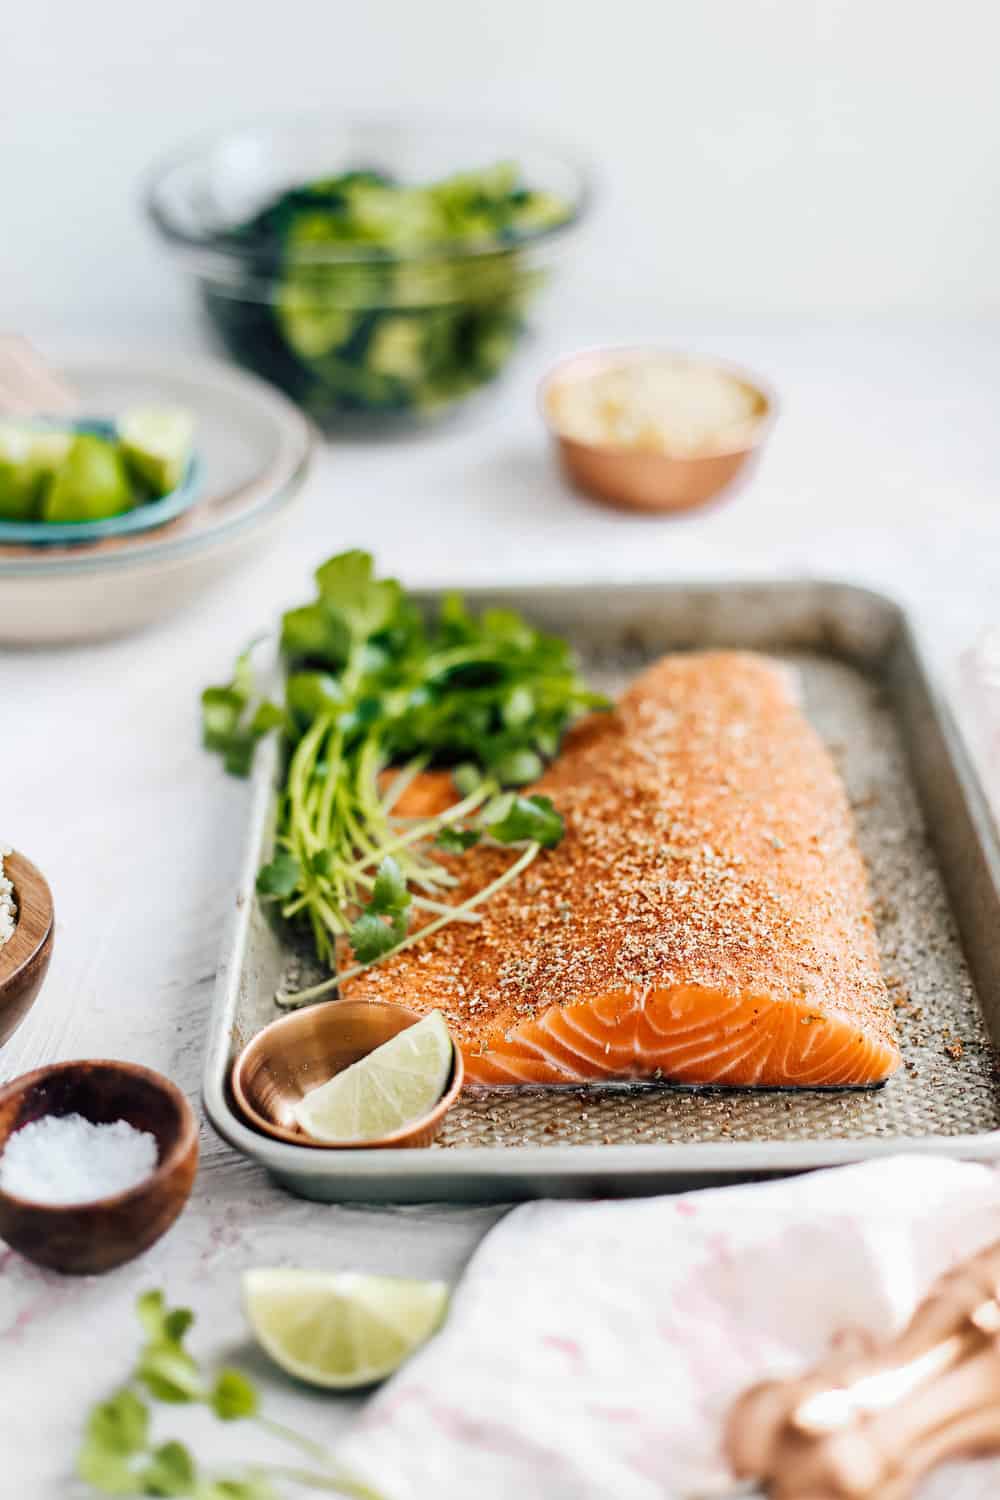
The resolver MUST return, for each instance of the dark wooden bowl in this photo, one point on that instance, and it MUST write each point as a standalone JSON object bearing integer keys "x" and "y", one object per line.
{"x": 24, "y": 958}
{"x": 300, "y": 1051}
{"x": 85, "y": 1237}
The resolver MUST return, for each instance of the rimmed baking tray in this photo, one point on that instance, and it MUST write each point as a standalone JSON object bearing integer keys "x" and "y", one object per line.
{"x": 934, "y": 860}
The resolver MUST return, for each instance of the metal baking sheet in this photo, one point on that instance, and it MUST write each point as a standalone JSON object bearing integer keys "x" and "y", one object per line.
{"x": 934, "y": 861}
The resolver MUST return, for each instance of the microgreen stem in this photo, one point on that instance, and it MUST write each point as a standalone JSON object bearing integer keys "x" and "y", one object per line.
{"x": 337, "y": 1483}
{"x": 402, "y": 780}
{"x": 440, "y": 907}
{"x": 296, "y": 1439}
{"x": 426, "y": 829}
{"x": 316, "y": 991}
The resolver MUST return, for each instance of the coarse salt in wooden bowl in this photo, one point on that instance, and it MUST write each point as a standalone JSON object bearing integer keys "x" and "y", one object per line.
{"x": 25, "y": 956}
{"x": 100, "y": 1233}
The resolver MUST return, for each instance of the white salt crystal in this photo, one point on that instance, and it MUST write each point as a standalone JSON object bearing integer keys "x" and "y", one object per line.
{"x": 8, "y": 910}
{"x": 67, "y": 1159}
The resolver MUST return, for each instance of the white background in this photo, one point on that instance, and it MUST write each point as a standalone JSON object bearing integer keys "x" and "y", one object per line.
{"x": 759, "y": 157}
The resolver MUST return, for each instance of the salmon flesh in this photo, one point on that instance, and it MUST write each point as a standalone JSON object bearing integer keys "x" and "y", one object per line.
{"x": 705, "y": 919}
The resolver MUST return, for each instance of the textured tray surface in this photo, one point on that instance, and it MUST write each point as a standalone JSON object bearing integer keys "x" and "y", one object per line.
{"x": 948, "y": 1085}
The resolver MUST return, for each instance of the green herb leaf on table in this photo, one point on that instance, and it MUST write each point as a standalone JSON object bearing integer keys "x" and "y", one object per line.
{"x": 170, "y": 1471}
{"x": 233, "y": 1396}
{"x": 119, "y": 1425}
{"x": 169, "y": 1373}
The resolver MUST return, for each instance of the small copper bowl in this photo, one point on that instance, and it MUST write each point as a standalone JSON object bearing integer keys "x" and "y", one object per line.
{"x": 641, "y": 479}
{"x": 24, "y": 957}
{"x": 82, "y": 1238}
{"x": 300, "y": 1051}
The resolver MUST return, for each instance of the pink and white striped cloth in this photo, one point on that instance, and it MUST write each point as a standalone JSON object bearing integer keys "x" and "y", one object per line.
{"x": 593, "y": 1349}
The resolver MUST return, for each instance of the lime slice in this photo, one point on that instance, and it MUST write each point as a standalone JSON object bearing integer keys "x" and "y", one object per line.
{"x": 90, "y": 484}
{"x": 341, "y": 1330}
{"x": 394, "y": 1085}
{"x": 157, "y": 443}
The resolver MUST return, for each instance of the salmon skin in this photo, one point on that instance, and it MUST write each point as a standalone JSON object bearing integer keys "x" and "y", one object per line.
{"x": 705, "y": 919}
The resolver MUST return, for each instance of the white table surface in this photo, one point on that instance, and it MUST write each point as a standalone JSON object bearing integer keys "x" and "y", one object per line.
{"x": 884, "y": 467}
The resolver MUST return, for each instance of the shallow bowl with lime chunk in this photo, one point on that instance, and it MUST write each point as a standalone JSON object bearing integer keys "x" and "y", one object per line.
{"x": 88, "y": 479}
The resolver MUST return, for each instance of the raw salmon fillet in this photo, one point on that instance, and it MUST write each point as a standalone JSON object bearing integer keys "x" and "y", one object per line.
{"x": 704, "y": 920}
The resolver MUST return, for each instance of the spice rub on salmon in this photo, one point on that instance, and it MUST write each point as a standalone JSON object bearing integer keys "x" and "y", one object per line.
{"x": 705, "y": 919}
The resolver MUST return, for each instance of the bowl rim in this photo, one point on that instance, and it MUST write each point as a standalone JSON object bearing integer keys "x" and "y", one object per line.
{"x": 221, "y": 247}
{"x": 594, "y": 357}
{"x": 187, "y": 1134}
{"x": 299, "y": 1138}
{"x": 19, "y": 950}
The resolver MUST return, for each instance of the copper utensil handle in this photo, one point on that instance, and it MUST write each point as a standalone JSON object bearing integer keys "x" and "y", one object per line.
{"x": 868, "y": 1423}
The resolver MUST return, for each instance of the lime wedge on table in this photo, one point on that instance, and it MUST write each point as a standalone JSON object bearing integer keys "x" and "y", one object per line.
{"x": 90, "y": 484}
{"x": 398, "y": 1082}
{"x": 340, "y": 1329}
{"x": 157, "y": 442}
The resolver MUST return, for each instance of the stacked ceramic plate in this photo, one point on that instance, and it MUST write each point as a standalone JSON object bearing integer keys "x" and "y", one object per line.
{"x": 253, "y": 448}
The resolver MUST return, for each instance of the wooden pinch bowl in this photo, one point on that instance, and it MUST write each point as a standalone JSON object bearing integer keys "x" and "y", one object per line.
{"x": 24, "y": 957}
{"x": 300, "y": 1051}
{"x": 643, "y": 479}
{"x": 82, "y": 1238}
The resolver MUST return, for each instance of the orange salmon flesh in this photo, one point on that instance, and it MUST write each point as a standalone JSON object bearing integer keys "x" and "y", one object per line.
{"x": 704, "y": 920}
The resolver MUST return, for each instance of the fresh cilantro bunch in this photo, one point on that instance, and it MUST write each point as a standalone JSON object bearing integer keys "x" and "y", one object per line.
{"x": 118, "y": 1455}
{"x": 373, "y": 687}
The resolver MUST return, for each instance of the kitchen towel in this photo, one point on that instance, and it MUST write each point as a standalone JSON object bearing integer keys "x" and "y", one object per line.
{"x": 593, "y": 1349}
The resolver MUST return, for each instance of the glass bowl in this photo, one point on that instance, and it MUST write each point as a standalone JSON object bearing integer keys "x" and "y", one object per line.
{"x": 358, "y": 333}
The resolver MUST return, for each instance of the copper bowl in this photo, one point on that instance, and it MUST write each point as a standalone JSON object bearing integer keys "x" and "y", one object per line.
{"x": 301, "y": 1051}
{"x": 24, "y": 957}
{"x": 82, "y": 1238}
{"x": 641, "y": 479}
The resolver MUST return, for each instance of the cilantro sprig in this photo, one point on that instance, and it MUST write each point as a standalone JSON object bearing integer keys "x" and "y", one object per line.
{"x": 374, "y": 691}
{"x": 120, "y": 1456}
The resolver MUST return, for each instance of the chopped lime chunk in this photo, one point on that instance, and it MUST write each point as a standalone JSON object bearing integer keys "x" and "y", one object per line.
{"x": 157, "y": 443}
{"x": 391, "y": 1087}
{"x": 90, "y": 484}
{"x": 341, "y": 1330}
{"x": 28, "y": 458}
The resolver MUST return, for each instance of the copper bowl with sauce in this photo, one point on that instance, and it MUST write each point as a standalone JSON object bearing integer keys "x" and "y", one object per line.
{"x": 301, "y": 1051}
{"x": 649, "y": 479}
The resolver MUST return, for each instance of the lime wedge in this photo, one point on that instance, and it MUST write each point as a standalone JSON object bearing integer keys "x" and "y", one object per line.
{"x": 341, "y": 1330}
{"x": 394, "y": 1085}
{"x": 157, "y": 443}
{"x": 90, "y": 484}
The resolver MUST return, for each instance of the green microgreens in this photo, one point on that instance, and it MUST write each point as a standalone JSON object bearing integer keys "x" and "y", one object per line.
{"x": 118, "y": 1455}
{"x": 373, "y": 691}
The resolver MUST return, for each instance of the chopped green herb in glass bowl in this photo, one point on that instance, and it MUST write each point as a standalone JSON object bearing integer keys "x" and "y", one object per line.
{"x": 373, "y": 272}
